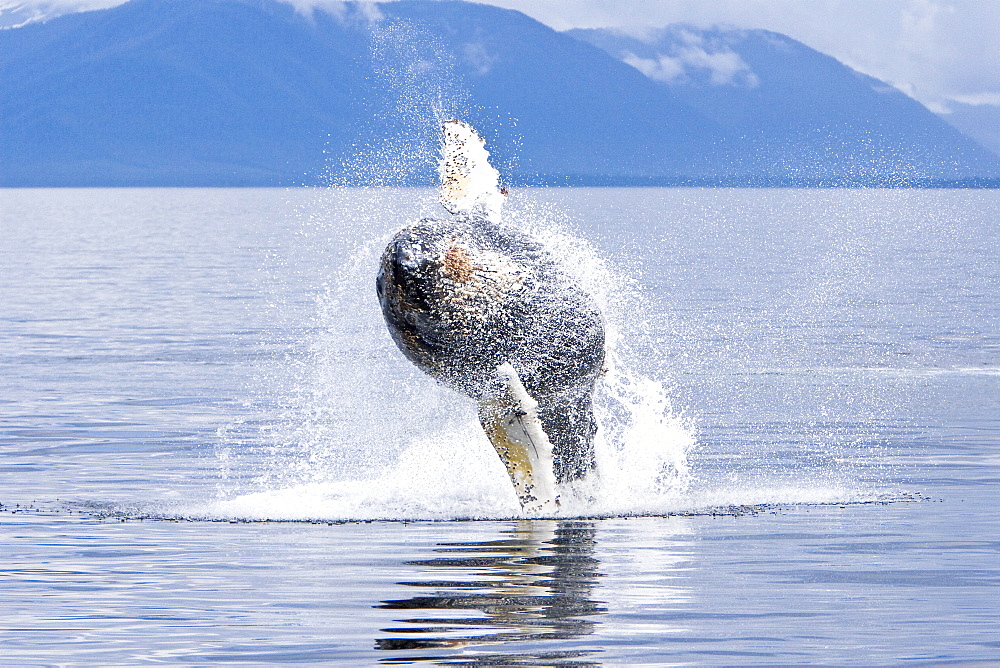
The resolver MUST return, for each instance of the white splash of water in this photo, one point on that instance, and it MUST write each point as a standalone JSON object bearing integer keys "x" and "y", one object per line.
{"x": 355, "y": 432}
{"x": 362, "y": 434}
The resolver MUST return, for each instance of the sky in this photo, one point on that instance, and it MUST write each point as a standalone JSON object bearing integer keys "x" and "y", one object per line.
{"x": 940, "y": 52}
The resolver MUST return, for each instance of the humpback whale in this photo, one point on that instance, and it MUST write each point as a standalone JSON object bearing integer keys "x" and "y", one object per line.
{"x": 488, "y": 311}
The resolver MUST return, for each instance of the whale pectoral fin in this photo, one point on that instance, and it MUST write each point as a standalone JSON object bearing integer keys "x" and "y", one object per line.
{"x": 510, "y": 418}
{"x": 470, "y": 185}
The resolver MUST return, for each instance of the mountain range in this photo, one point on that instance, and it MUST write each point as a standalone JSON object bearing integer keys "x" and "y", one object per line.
{"x": 259, "y": 92}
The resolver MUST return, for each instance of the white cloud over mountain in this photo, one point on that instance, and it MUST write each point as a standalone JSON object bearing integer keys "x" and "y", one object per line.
{"x": 722, "y": 65}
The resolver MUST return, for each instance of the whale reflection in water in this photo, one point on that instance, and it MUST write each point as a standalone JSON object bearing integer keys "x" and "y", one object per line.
{"x": 533, "y": 586}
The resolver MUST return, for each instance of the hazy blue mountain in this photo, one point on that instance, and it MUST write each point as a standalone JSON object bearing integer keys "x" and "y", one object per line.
{"x": 800, "y": 114}
{"x": 980, "y": 122}
{"x": 177, "y": 92}
{"x": 250, "y": 92}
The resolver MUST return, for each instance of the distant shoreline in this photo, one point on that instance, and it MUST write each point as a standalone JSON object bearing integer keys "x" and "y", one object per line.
{"x": 961, "y": 184}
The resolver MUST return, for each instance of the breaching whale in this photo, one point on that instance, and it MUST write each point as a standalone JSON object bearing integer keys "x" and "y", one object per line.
{"x": 487, "y": 311}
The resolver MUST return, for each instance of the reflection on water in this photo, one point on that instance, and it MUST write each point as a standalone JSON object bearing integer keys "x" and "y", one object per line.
{"x": 533, "y": 586}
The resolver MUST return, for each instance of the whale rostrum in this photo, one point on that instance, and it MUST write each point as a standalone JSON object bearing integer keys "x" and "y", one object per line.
{"x": 489, "y": 312}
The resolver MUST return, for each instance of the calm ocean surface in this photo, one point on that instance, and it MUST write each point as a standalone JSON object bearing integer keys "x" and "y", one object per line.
{"x": 211, "y": 452}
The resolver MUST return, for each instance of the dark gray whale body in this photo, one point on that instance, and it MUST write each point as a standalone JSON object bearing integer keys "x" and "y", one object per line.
{"x": 463, "y": 297}
{"x": 488, "y": 311}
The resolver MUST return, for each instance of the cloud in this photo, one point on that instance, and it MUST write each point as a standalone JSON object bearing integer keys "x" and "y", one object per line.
{"x": 689, "y": 58}
{"x": 476, "y": 55}
{"x": 979, "y": 99}
{"x": 724, "y": 67}
{"x": 307, "y": 8}
{"x": 663, "y": 68}
{"x": 17, "y": 14}
{"x": 340, "y": 9}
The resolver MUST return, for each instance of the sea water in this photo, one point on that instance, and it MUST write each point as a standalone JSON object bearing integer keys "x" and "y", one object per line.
{"x": 211, "y": 451}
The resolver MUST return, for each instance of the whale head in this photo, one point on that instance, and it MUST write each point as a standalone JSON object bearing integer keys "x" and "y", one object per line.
{"x": 449, "y": 296}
